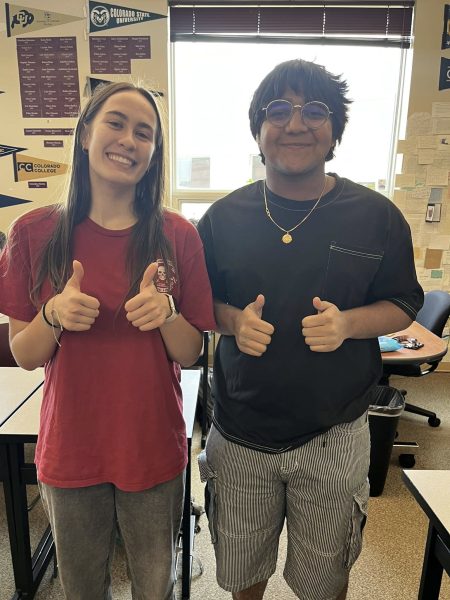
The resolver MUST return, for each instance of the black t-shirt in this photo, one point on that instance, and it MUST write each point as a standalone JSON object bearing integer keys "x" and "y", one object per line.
{"x": 354, "y": 249}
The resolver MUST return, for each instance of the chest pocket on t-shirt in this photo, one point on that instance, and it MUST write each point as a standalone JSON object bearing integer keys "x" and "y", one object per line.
{"x": 350, "y": 273}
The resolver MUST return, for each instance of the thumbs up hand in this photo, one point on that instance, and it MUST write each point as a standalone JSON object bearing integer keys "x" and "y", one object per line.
{"x": 148, "y": 276}
{"x": 252, "y": 334}
{"x": 258, "y": 305}
{"x": 77, "y": 276}
{"x": 73, "y": 309}
{"x": 149, "y": 308}
{"x": 325, "y": 331}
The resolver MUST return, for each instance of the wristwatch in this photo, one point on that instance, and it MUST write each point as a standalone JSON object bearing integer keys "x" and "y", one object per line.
{"x": 173, "y": 311}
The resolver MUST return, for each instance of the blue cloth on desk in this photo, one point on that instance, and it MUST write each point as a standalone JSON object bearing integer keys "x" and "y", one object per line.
{"x": 388, "y": 344}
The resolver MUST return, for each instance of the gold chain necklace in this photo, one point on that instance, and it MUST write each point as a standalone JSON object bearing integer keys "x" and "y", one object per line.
{"x": 287, "y": 237}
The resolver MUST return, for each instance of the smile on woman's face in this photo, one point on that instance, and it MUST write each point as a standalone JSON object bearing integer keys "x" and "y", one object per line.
{"x": 121, "y": 140}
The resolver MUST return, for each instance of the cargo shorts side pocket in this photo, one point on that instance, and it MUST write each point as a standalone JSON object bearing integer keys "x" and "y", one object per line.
{"x": 209, "y": 476}
{"x": 357, "y": 522}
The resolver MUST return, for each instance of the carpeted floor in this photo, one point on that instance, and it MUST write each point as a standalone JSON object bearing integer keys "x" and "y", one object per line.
{"x": 390, "y": 564}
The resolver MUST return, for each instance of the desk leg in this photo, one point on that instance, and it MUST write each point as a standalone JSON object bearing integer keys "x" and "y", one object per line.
{"x": 205, "y": 372}
{"x": 28, "y": 569}
{"x": 430, "y": 583}
{"x": 17, "y": 516}
{"x": 186, "y": 560}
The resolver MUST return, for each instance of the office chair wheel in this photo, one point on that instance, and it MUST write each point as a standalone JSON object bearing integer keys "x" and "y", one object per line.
{"x": 434, "y": 421}
{"x": 407, "y": 461}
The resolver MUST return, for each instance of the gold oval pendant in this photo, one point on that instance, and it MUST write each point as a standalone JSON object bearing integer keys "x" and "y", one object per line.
{"x": 287, "y": 238}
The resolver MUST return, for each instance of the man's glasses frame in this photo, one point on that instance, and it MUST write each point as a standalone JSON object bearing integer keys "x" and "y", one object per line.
{"x": 309, "y": 113}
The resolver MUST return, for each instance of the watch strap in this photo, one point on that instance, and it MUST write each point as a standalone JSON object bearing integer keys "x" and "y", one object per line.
{"x": 173, "y": 311}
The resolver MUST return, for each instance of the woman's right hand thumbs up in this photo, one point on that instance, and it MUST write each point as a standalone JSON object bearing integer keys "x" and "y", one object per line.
{"x": 73, "y": 309}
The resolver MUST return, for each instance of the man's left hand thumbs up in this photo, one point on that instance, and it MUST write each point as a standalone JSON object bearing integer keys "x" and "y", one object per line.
{"x": 325, "y": 331}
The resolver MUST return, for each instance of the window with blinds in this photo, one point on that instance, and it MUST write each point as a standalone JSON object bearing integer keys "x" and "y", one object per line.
{"x": 376, "y": 23}
{"x": 213, "y": 82}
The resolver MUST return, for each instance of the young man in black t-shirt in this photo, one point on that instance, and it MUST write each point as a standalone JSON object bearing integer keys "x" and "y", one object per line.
{"x": 307, "y": 269}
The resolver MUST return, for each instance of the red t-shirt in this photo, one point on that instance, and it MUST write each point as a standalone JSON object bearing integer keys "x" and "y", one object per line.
{"x": 112, "y": 406}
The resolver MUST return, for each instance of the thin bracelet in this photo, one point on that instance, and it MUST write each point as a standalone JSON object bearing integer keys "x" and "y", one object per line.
{"x": 44, "y": 316}
{"x": 52, "y": 312}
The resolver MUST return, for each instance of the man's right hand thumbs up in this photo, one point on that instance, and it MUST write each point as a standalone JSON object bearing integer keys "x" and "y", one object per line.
{"x": 73, "y": 309}
{"x": 253, "y": 335}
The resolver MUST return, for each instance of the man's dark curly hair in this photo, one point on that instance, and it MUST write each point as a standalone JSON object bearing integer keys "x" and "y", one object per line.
{"x": 306, "y": 79}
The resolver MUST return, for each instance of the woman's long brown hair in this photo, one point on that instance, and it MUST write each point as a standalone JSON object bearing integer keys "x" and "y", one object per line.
{"x": 147, "y": 242}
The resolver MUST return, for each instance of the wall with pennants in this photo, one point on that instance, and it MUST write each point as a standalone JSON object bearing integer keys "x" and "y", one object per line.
{"x": 53, "y": 54}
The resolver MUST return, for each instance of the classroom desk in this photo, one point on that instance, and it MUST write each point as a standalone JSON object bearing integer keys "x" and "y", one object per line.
{"x": 433, "y": 348}
{"x": 431, "y": 489}
{"x": 16, "y": 474}
{"x": 16, "y": 386}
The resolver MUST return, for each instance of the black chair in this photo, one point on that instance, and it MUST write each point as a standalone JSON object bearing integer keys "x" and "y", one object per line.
{"x": 6, "y": 357}
{"x": 204, "y": 392}
{"x": 433, "y": 315}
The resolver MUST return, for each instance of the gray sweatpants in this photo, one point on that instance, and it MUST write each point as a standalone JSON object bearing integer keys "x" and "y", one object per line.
{"x": 83, "y": 522}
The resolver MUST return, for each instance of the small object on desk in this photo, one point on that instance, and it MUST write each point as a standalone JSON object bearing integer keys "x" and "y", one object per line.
{"x": 408, "y": 342}
{"x": 388, "y": 344}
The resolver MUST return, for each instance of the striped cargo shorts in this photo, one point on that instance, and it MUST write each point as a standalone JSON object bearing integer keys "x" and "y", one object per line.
{"x": 320, "y": 489}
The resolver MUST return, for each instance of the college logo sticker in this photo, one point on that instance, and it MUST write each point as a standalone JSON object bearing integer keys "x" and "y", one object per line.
{"x": 444, "y": 76}
{"x": 100, "y": 16}
{"x": 22, "y": 19}
{"x": 30, "y": 167}
{"x": 104, "y": 16}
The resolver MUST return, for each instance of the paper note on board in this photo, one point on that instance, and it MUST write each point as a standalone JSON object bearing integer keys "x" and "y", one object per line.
{"x": 436, "y": 176}
{"x": 426, "y": 156}
{"x": 405, "y": 180}
{"x": 441, "y": 125}
{"x": 419, "y": 124}
{"x": 440, "y": 109}
{"x": 433, "y": 259}
{"x": 440, "y": 242}
{"x": 415, "y": 205}
{"x": 426, "y": 141}
{"x": 399, "y": 198}
{"x": 409, "y": 163}
{"x": 408, "y": 146}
